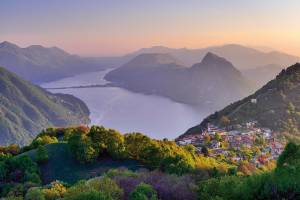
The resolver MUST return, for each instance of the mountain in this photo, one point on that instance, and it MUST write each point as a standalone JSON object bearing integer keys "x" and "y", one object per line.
{"x": 26, "y": 109}
{"x": 211, "y": 83}
{"x": 276, "y": 105}
{"x": 263, "y": 74}
{"x": 241, "y": 57}
{"x": 151, "y": 60}
{"x": 40, "y": 64}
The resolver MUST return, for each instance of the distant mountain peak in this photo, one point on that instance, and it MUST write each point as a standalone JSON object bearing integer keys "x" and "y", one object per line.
{"x": 7, "y": 44}
{"x": 270, "y": 110}
{"x": 35, "y": 46}
{"x": 211, "y": 57}
{"x": 212, "y": 60}
{"x": 152, "y": 59}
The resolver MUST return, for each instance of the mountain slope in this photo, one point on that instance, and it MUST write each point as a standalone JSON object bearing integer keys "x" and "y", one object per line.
{"x": 241, "y": 57}
{"x": 277, "y": 105}
{"x": 204, "y": 84}
{"x": 26, "y": 109}
{"x": 39, "y": 64}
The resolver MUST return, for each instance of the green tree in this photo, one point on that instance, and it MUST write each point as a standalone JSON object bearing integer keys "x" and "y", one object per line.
{"x": 99, "y": 135}
{"x": 82, "y": 147}
{"x": 3, "y": 170}
{"x": 290, "y": 154}
{"x": 217, "y": 137}
{"x": 115, "y": 144}
{"x": 41, "y": 155}
{"x": 135, "y": 143}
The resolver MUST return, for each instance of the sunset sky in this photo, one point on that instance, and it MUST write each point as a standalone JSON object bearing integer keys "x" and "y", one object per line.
{"x": 115, "y": 27}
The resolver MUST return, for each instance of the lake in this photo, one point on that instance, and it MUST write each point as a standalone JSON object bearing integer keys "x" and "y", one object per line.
{"x": 126, "y": 111}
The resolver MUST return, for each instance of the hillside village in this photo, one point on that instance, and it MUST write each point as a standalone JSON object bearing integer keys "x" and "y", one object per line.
{"x": 241, "y": 142}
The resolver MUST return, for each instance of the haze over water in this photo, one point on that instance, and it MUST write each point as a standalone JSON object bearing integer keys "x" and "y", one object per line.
{"x": 126, "y": 111}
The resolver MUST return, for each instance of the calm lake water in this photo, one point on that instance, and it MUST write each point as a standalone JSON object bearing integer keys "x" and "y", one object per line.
{"x": 126, "y": 111}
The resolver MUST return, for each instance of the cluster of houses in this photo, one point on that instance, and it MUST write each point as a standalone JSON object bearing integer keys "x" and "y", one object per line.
{"x": 235, "y": 138}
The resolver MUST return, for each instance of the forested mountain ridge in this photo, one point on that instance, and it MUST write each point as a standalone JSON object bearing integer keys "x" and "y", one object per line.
{"x": 212, "y": 84}
{"x": 39, "y": 64}
{"x": 276, "y": 105}
{"x": 26, "y": 109}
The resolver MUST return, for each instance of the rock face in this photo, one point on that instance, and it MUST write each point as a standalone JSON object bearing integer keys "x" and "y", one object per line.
{"x": 276, "y": 105}
{"x": 39, "y": 64}
{"x": 26, "y": 109}
{"x": 213, "y": 83}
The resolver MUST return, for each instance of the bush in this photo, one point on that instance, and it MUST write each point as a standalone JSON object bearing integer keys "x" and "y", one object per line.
{"x": 43, "y": 140}
{"x": 167, "y": 186}
{"x": 34, "y": 194}
{"x": 56, "y": 191}
{"x": 107, "y": 186}
{"x": 90, "y": 195}
{"x": 143, "y": 192}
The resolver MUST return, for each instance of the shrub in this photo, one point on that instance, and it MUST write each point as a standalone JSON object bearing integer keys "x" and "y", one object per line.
{"x": 143, "y": 192}
{"x": 56, "y": 190}
{"x": 89, "y": 195}
{"x": 34, "y": 194}
{"x": 43, "y": 140}
{"x": 107, "y": 186}
{"x": 167, "y": 186}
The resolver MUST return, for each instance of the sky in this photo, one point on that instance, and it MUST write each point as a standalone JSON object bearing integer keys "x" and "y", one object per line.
{"x": 117, "y": 27}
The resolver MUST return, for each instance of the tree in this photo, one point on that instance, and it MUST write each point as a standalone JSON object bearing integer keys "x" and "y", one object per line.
{"x": 232, "y": 171}
{"x": 289, "y": 155}
{"x": 225, "y": 121}
{"x": 217, "y": 137}
{"x": 43, "y": 140}
{"x": 99, "y": 136}
{"x": 82, "y": 147}
{"x": 115, "y": 144}
{"x": 3, "y": 170}
{"x": 135, "y": 143}
{"x": 152, "y": 154}
{"x": 204, "y": 151}
{"x": 41, "y": 155}
{"x": 143, "y": 192}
